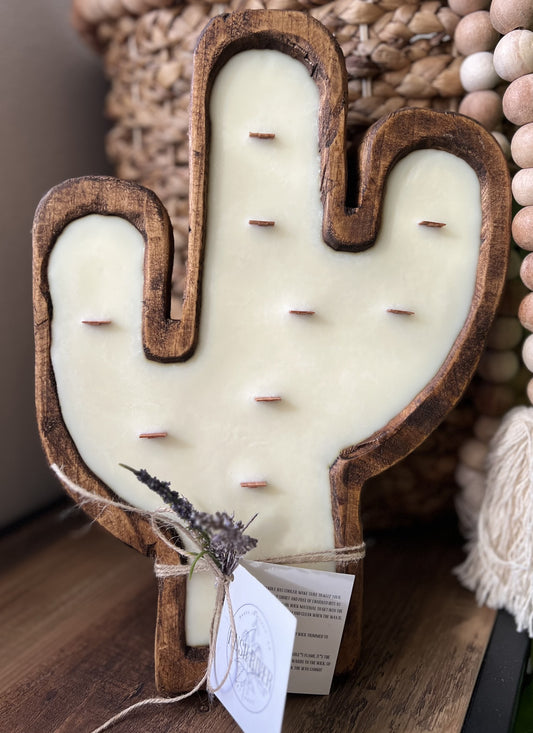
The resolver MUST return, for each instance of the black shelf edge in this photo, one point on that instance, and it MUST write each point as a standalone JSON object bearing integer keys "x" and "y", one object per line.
{"x": 497, "y": 690}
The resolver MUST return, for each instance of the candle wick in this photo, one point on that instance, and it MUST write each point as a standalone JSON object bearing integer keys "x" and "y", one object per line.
{"x": 261, "y": 223}
{"x": 263, "y": 135}
{"x": 400, "y": 312}
{"x": 432, "y": 224}
{"x": 96, "y": 323}
{"x": 302, "y": 313}
{"x": 253, "y": 484}
{"x": 150, "y": 436}
{"x": 268, "y": 398}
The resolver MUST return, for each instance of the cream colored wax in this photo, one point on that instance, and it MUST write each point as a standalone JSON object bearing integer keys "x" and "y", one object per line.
{"x": 342, "y": 373}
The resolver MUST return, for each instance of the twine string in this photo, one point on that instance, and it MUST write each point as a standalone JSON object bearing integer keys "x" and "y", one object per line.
{"x": 223, "y": 594}
{"x": 162, "y": 519}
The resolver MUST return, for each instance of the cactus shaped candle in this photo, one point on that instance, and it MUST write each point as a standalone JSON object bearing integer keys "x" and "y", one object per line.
{"x": 318, "y": 344}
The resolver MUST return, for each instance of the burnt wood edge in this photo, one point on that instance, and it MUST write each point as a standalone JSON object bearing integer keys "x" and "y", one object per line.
{"x": 65, "y": 203}
{"x": 62, "y": 205}
{"x": 416, "y": 421}
{"x": 167, "y": 340}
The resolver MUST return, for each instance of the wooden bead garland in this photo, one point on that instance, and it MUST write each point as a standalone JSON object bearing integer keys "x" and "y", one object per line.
{"x": 483, "y": 101}
{"x": 513, "y": 58}
{"x": 490, "y": 62}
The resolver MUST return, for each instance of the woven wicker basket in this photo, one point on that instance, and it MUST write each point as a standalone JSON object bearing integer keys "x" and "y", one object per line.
{"x": 398, "y": 53}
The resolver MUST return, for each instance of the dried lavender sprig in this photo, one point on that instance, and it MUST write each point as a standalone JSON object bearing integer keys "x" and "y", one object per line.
{"x": 182, "y": 506}
{"x": 218, "y": 534}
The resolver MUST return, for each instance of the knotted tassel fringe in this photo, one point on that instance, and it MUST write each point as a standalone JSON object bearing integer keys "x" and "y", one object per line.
{"x": 499, "y": 566}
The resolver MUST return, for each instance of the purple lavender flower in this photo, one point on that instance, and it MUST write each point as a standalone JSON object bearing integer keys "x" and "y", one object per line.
{"x": 219, "y": 534}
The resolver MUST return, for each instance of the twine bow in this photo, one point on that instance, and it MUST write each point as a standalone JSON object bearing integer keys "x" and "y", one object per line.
{"x": 162, "y": 519}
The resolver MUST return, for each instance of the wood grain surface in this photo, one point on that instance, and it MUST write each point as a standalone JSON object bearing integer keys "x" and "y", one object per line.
{"x": 348, "y": 229}
{"x": 77, "y": 617}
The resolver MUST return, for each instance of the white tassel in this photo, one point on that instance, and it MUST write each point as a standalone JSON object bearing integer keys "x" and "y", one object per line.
{"x": 499, "y": 566}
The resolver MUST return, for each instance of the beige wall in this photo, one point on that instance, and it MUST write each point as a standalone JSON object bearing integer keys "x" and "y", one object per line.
{"x": 51, "y": 128}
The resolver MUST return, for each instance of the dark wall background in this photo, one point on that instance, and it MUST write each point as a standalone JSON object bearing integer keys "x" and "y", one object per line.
{"x": 52, "y": 93}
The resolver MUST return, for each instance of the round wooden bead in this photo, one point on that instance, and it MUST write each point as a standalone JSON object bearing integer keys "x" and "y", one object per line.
{"x": 485, "y": 106}
{"x": 506, "y": 15}
{"x": 464, "y": 7}
{"x": 477, "y": 72}
{"x": 526, "y": 271}
{"x": 513, "y": 56}
{"x": 493, "y": 399}
{"x": 473, "y": 454}
{"x": 525, "y": 312}
{"x": 522, "y": 146}
{"x": 503, "y": 142}
{"x": 505, "y": 333}
{"x": 475, "y": 33}
{"x": 527, "y": 353}
{"x": 498, "y": 366}
{"x": 530, "y": 390}
{"x": 522, "y": 228}
{"x": 469, "y": 500}
{"x": 522, "y": 186}
{"x": 485, "y": 428}
{"x": 518, "y": 100}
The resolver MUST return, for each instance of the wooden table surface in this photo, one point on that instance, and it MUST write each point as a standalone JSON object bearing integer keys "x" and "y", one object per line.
{"x": 77, "y": 615}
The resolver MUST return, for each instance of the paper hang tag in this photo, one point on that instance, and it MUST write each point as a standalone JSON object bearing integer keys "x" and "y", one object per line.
{"x": 289, "y": 623}
{"x": 319, "y": 600}
{"x": 256, "y": 687}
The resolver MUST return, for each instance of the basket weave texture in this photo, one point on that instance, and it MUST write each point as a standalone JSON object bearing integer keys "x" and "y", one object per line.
{"x": 398, "y": 53}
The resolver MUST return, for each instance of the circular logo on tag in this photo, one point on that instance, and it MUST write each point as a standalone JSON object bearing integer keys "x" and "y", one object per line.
{"x": 254, "y": 663}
